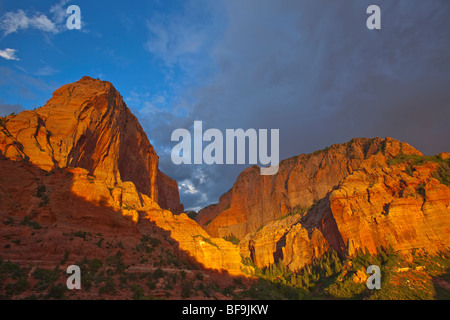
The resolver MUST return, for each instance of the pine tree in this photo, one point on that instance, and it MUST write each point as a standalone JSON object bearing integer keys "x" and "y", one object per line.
{"x": 337, "y": 266}
{"x": 293, "y": 280}
{"x": 328, "y": 271}
{"x": 305, "y": 280}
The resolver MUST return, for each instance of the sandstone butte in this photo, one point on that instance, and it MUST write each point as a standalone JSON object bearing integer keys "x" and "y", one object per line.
{"x": 83, "y": 162}
{"x": 347, "y": 197}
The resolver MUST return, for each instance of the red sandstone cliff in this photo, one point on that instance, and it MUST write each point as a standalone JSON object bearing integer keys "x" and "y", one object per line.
{"x": 379, "y": 205}
{"x": 168, "y": 195}
{"x": 83, "y": 163}
{"x": 301, "y": 181}
{"x": 367, "y": 193}
{"x": 86, "y": 124}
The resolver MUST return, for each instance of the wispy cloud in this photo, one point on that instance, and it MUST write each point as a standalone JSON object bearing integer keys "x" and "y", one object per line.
{"x": 59, "y": 12}
{"x": 183, "y": 40}
{"x": 12, "y": 22}
{"x": 9, "y": 54}
{"x": 174, "y": 41}
{"x": 46, "y": 71}
{"x": 15, "y": 21}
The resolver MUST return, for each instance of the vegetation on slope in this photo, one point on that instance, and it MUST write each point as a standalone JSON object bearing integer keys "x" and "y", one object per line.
{"x": 417, "y": 276}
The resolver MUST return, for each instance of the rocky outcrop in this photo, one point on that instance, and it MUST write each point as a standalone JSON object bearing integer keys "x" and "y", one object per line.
{"x": 83, "y": 165}
{"x": 301, "y": 181}
{"x": 401, "y": 203}
{"x": 70, "y": 200}
{"x": 168, "y": 195}
{"x": 86, "y": 124}
{"x": 397, "y": 206}
{"x": 207, "y": 214}
{"x": 215, "y": 253}
{"x": 82, "y": 168}
{"x": 284, "y": 240}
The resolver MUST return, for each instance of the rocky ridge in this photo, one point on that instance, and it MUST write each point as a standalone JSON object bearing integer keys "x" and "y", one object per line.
{"x": 300, "y": 182}
{"x": 366, "y": 194}
{"x": 86, "y": 124}
{"x": 82, "y": 162}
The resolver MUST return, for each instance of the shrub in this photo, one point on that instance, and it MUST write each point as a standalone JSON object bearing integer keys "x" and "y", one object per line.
{"x": 158, "y": 273}
{"x": 207, "y": 240}
{"x": 154, "y": 242}
{"x": 109, "y": 287}
{"x": 57, "y": 292}
{"x": 132, "y": 276}
{"x": 80, "y": 234}
{"x": 94, "y": 265}
{"x": 142, "y": 247}
{"x": 33, "y": 224}
{"x": 346, "y": 289}
{"x": 186, "y": 289}
{"x": 442, "y": 173}
{"x": 99, "y": 243}
{"x": 267, "y": 290}
{"x": 45, "y": 275}
{"x": 232, "y": 238}
{"x": 9, "y": 221}
{"x": 40, "y": 191}
{"x": 228, "y": 291}
{"x": 65, "y": 257}
{"x": 138, "y": 292}
{"x": 199, "y": 276}
{"x": 191, "y": 214}
{"x": 10, "y": 270}
{"x": 421, "y": 190}
{"x": 150, "y": 284}
{"x": 207, "y": 222}
{"x": 3, "y": 122}
{"x": 117, "y": 262}
{"x": 20, "y": 286}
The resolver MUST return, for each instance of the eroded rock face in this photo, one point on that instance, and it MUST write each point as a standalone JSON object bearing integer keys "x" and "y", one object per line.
{"x": 301, "y": 181}
{"x": 215, "y": 253}
{"x": 70, "y": 200}
{"x": 83, "y": 163}
{"x": 86, "y": 124}
{"x": 380, "y": 205}
{"x": 207, "y": 214}
{"x": 168, "y": 195}
{"x": 393, "y": 206}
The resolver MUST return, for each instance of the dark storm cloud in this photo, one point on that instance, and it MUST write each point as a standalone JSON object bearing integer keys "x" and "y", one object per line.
{"x": 7, "y": 109}
{"x": 313, "y": 70}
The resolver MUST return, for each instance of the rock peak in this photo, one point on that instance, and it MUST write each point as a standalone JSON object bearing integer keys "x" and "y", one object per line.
{"x": 87, "y": 124}
{"x": 301, "y": 181}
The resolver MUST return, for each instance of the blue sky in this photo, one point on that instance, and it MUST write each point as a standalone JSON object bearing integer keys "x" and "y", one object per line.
{"x": 309, "y": 68}
{"x": 129, "y": 45}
